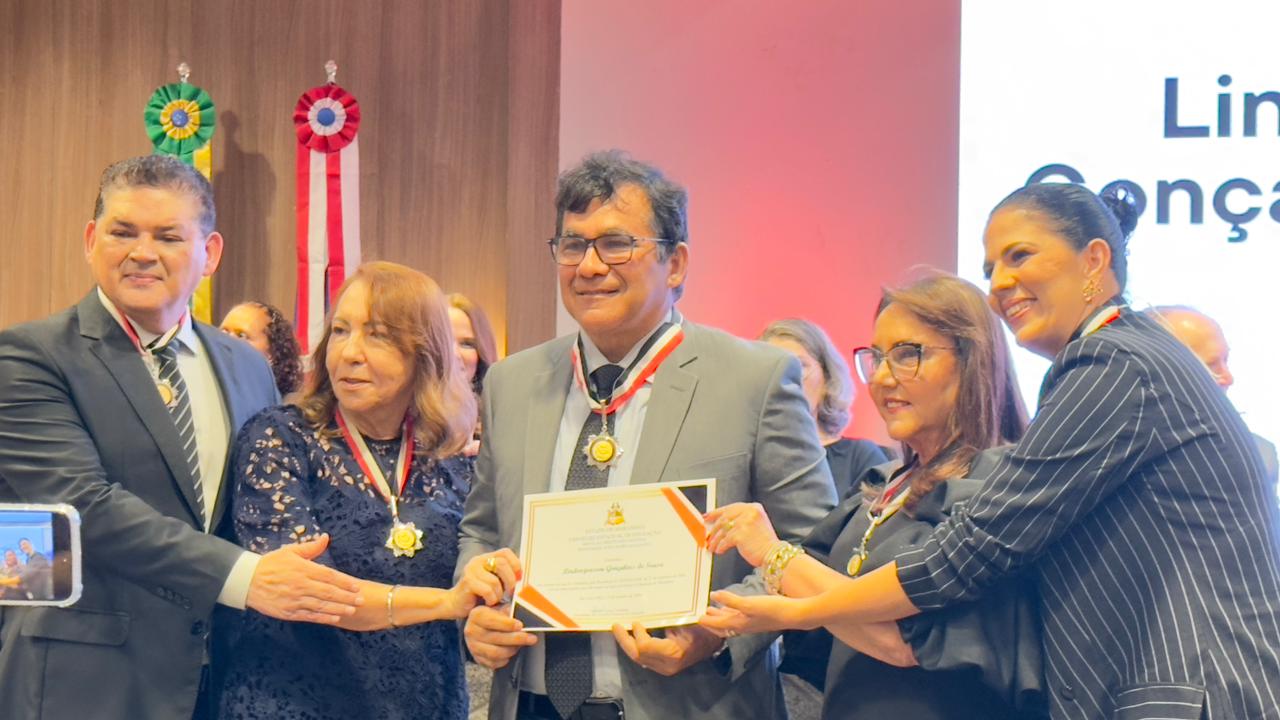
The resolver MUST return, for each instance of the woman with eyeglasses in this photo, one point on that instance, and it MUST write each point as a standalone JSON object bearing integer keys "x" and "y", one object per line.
{"x": 1136, "y": 500}
{"x": 939, "y": 372}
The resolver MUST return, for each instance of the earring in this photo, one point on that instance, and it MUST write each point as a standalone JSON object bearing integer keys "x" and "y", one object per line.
{"x": 1092, "y": 289}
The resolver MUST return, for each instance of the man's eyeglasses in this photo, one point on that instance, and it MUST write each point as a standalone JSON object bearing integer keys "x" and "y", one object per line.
{"x": 904, "y": 360}
{"x": 611, "y": 249}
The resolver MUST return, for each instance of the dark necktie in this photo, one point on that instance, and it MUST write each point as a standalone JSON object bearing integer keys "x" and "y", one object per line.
{"x": 180, "y": 409}
{"x": 568, "y": 671}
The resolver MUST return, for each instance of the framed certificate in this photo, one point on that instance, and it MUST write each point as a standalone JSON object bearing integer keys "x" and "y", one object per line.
{"x": 593, "y": 558}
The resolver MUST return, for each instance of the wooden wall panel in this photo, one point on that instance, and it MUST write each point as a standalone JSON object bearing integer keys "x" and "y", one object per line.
{"x": 458, "y": 142}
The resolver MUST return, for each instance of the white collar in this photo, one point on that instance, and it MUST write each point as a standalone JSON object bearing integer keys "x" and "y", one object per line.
{"x": 186, "y": 334}
{"x": 594, "y": 358}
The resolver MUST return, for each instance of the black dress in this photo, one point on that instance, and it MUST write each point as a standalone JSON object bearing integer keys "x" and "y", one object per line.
{"x": 850, "y": 459}
{"x": 977, "y": 661}
{"x": 293, "y": 483}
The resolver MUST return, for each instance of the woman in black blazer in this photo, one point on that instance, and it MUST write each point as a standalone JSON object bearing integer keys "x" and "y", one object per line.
{"x": 1136, "y": 499}
{"x": 940, "y": 375}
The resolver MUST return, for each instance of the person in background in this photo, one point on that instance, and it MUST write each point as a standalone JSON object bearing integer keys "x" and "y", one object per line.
{"x": 473, "y": 336}
{"x": 1136, "y": 498}
{"x": 37, "y": 574}
{"x": 829, "y": 389}
{"x": 270, "y": 333}
{"x": 12, "y": 568}
{"x": 477, "y": 349}
{"x": 123, "y": 407}
{"x": 1205, "y": 338}
{"x": 367, "y": 454}
{"x": 941, "y": 377}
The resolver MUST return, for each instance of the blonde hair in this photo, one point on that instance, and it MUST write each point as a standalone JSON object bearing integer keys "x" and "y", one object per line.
{"x": 486, "y": 344}
{"x": 414, "y": 311}
{"x": 837, "y": 385}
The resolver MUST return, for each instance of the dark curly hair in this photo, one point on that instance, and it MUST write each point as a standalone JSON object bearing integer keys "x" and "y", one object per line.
{"x": 283, "y": 352}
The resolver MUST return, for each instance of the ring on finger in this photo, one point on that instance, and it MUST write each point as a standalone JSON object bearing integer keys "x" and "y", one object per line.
{"x": 729, "y": 525}
{"x": 491, "y": 565}
{"x": 731, "y": 633}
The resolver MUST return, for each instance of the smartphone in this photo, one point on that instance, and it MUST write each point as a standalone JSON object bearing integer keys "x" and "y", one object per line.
{"x": 39, "y": 555}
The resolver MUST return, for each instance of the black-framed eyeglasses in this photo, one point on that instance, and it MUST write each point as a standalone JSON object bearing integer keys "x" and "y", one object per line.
{"x": 904, "y": 360}
{"x": 613, "y": 249}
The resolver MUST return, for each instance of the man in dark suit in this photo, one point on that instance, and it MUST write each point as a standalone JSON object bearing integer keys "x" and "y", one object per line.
{"x": 717, "y": 406}
{"x": 37, "y": 576}
{"x": 124, "y": 408}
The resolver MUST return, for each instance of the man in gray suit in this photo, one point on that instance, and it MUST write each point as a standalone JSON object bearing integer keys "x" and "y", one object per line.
{"x": 123, "y": 407}
{"x": 717, "y": 406}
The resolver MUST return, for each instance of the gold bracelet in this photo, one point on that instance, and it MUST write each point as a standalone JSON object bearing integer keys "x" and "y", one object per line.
{"x": 777, "y": 547}
{"x": 777, "y": 565}
{"x": 391, "y": 618}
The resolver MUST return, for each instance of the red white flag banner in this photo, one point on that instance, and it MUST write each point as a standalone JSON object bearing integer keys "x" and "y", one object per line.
{"x": 326, "y": 119}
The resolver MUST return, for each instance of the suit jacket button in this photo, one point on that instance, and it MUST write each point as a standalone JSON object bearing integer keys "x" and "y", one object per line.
{"x": 1066, "y": 692}
{"x": 198, "y": 627}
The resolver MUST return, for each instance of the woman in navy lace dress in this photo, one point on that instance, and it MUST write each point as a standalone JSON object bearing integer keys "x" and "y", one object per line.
{"x": 367, "y": 456}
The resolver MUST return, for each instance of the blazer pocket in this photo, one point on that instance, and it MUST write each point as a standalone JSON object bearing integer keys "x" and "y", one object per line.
{"x": 723, "y": 468}
{"x": 1159, "y": 700}
{"x": 95, "y": 627}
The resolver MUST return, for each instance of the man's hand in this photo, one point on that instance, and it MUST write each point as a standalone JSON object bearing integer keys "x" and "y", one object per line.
{"x": 287, "y": 585}
{"x": 493, "y": 637}
{"x": 491, "y": 577}
{"x": 681, "y": 648}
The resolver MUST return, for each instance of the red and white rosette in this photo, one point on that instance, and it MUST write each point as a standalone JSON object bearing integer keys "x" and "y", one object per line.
{"x": 326, "y": 119}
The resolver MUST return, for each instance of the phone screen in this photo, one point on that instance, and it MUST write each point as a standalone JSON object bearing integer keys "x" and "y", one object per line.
{"x": 39, "y": 555}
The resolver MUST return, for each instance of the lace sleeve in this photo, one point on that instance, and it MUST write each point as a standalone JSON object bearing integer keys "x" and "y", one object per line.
{"x": 272, "y": 476}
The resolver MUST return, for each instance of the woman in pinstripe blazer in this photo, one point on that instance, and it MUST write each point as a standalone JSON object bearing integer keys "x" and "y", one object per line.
{"x": 1136, "y": 499}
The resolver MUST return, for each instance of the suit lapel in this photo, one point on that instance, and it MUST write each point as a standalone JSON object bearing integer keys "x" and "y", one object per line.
{"x": 669, "y": 400}
{"x": 546, "y": 406}
{"x": 110, "y": 344}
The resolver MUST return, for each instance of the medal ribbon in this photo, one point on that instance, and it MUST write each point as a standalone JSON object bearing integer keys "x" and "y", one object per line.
{"x": 891, "y": 501}
{"x": 372, "y": 471}
{"x": 157, "y": 344}
{"x": 1101, "y": 319}
{"x": 662, "y": 343}
{"x": 147, "y": 352}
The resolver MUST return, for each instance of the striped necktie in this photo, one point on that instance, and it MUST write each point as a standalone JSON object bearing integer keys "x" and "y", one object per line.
{"x": 180, "y": 409}
{"x": 568, "y": 672}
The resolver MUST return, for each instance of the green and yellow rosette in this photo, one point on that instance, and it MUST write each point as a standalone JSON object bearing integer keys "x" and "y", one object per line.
{"x": 180, "y": 118}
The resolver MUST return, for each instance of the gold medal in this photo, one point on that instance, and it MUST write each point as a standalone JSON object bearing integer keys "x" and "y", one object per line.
{"x": 602, "y": 451}
{"x": 855, "y": 563}
{"x": 167, "y": 395}
{"x": 405, "y": 539}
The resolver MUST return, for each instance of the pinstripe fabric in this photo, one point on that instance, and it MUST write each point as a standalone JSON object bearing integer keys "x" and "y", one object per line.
{"x": 1137, "y": 500}
{"x": 182, "y": 418}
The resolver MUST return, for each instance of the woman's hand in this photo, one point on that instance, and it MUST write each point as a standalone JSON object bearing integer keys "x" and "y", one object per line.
{"x": 738, "y": 615}
{"x": 744, "y": 526}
